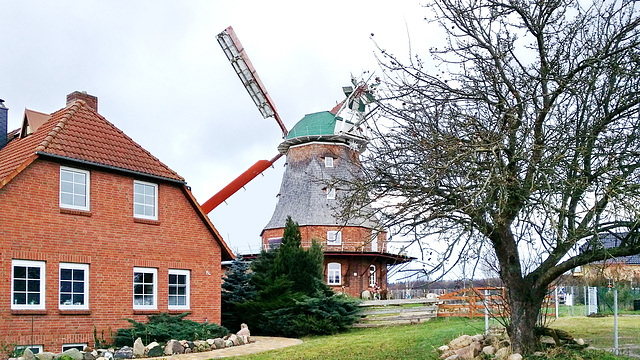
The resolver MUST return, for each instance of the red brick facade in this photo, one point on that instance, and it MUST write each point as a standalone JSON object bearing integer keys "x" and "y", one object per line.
{"x": 111, "y": 242}
{"x": 355, "y": 255}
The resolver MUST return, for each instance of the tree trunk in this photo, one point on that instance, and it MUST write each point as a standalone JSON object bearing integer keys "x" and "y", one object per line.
{"x": 525, "y": 310}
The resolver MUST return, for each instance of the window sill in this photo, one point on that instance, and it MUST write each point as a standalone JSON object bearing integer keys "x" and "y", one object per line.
{"x": 28, "y": 312}
{"x": 74, "y": 312}
{"x": 146, "y": 221}
{"x": 179, "y": 311}
{"x": 75, "y": 212}
{"x": 145, "y": 311}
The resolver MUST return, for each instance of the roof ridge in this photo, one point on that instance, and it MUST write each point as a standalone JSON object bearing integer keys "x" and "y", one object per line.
{"x": 60, "y": 125}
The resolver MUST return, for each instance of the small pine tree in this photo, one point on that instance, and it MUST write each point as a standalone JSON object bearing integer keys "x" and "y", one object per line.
{"x": 236, "y": 288}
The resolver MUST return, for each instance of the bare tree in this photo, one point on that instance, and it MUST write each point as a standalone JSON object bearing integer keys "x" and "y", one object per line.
{"x": 524, "y": 142}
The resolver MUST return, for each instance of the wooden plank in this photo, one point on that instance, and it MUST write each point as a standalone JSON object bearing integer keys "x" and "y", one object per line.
{"x": 425, "y": 315}
{"x": 397, "y": 302}
{"x": 394, "y": 310}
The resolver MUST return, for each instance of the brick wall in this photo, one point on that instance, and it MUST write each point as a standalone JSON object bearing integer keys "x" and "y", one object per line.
{"x": 33, "y": 227}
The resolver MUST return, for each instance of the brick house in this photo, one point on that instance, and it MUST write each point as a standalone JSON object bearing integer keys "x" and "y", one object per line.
{"x": 95, "y": 229}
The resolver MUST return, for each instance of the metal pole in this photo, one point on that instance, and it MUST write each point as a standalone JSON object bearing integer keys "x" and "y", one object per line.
{"x": 486, "y": 313}
{"x": 573, "y": 300}
{"x": 615, "y": 321}
{"x": 555, "y": 295}
{"x": 586, "y": 306}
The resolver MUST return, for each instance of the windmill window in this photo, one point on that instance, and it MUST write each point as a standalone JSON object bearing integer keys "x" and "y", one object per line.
{"x": 334, "y": 274}
{"x": 331, "y": 193}
{"x": 372, "y": 275}
{"x": 334, "y": 238}
{"x": 328, "y": 161}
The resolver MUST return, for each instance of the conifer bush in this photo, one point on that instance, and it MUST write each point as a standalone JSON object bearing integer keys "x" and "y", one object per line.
{"x": 164, "y": 327}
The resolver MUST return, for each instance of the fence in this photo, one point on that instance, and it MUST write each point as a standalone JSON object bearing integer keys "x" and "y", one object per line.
{"x": 397, "y": 312}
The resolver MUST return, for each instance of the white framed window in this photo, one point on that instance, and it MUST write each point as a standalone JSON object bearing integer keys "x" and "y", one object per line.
{"x": 331, "y": 193}
{"x": 274, "y": 243}
{"x": 334, "y": 274}
{"x": 145, "y": 200}
{"x": 372, "y": 276}
{"x": 145, "y": 288}
{"x": 334, "y": 237}
{"x": 328, "y": 161}
{"x": 79, "y": 346}
{"x": 74, "y": 188}
{"x": 36, "y": 349}
{"x": 27, "y": 285}
{"x": 374, "y": 241}
{"x": 74, "y": 286}
{"x": 179, "y": 289}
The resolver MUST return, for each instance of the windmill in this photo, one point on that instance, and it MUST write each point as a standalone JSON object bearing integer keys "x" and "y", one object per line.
{"x": 356, "y": 100}
{"x": 320, "y": 147}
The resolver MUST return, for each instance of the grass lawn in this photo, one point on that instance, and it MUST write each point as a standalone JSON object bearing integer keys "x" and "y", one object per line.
{"x": 598, "y": 331}
{"x": 394, "y": 342}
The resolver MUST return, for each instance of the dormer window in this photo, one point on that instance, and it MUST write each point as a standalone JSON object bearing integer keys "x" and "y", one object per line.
{"x": 328, "y": 161}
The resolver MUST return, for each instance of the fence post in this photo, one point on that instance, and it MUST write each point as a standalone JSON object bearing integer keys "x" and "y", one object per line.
{"x": 555, "y": 296}
{"x": 586, "y": 306}
{"x": 573, "y": 301}
{"x": 615, "y": 321}
{"x": 486, "y": 313}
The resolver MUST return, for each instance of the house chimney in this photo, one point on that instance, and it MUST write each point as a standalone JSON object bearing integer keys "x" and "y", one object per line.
{"x": 3, "y": 124}
{"x": 91, "y": 100}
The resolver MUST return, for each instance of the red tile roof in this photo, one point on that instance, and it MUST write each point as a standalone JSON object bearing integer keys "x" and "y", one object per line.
{"x": 78, "y": 132}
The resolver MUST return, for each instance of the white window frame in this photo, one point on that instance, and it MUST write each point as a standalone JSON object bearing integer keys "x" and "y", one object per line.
{"x": 87, "y": 189}
{"x": 41, "y": 291}
{"x": 72, "y": 346}
{"x": 374, "y": 241}
{"x": 271, "y": 243}
{"x": 334, "y": 269}
{"x": 328, "y": 161}
{"x": 74, "y": 266}
{"x": 40, "y": 348}
{"x": 145, "y": 270}
{"x": 331, "y": 193}
{"x": 372, "y": 276}
{"x": 155, "y": 200}
{"x": 187, "y": 295}
{"x": 334, "y": 237}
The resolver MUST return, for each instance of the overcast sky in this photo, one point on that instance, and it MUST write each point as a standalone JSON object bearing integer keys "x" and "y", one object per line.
{"x": 161, "y": 77}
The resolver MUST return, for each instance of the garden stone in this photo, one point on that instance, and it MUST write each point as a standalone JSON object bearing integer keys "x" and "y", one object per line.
{"x": 579, "y": 341}
{"x": 366, "y": 295}
{"x": 108, "y": 354}
{"x": 447, "y": 354}
{"x": 188, "y": 351}
{"x": 234, "y": 339}
{"x": 138, "y": 348}
{"x": 469, "y": 352}
{"x": 478, "y": 337}
{"x": 101, "y": 358}
{"x": 74, "y": 353}
{"x": 503, "y": 353}
{"x": 191, "y": 345}
{"x": 453, "y": 357}
{"x": 241, "y": 340}
{"x": 125, "y": 352}
{"x": 210, "y": 342}
{"x": 219, "y": 343}
{"x": 244, "y": 330}
{"x": 90, "y": 355}
{"x": 228, "y": 343}
{"x": 460, "y": 342}
{"x": 155, "y": 351}
{"x": 443, "y": 348}
{"x": 515, "y": 356}
{"x": 45, "y": 356}
{"x": 173, "y": 347}
{"x": 28, "y": 354}
{"x": 489, "y": 350}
